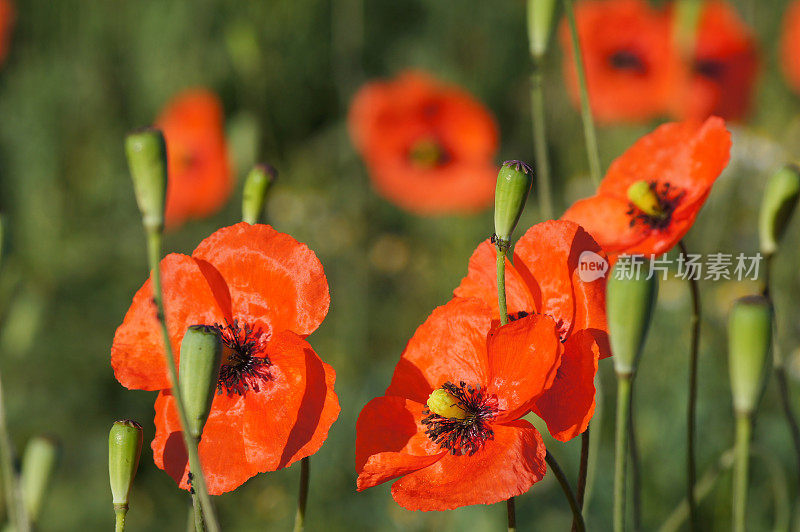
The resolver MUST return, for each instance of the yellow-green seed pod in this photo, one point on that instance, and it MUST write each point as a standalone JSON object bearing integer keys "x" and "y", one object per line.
{"x": 777, "y": 205}
{"x": 513, "y": 184}
{"x": 124, "y": 450}
{"x": 749, "y": 340}
{"x": 642, "y": 195}
{"x": 443, "y": 403}
{"x": 38, "y": 463}
{"x": 540, "y": 26}
{"x": 256, "y": 186}
{"x": 147, "y": 161}
{"x": 629, "y": 309}
{"x": 201, "y": 356}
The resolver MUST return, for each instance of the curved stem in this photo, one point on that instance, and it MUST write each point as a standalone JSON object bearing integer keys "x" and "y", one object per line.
{"x": 565, "y": 487}
{"x": 594, "y": 443}
{"x": 636, "y": 475}
{"x": 586, "y": 112}
{"x": 540, "y": 143}
{"x": 198, "y": 478}
{"x": 582, "y": 471}
{"x": 740, "y": 470}
{"x": 511, "y": 511}
{"x": 621, "y": 449}
{"x": 302, "y": 497}
{"x": 691, "y": 468}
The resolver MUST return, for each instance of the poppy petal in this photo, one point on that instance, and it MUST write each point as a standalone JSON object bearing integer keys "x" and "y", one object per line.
{"x": 605, "y": 218}
{"x": 274, "y": 280}
{"x": 449, "y": 347}
{"x": 194, "y": 294}
{"x": 391, "y": 441}
{"x": 505, "y": 467}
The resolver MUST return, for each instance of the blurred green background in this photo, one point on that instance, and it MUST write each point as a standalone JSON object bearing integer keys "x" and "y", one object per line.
{"x": 81, "y": 74}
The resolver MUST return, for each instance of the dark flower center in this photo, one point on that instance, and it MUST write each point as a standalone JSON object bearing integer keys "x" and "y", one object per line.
{"x": 654, "y": 206}
{"x": 427, "y": 153}
{"x": 458, "y": 418}
{"x": 710, "y": 68}
{"x": 627, "y": 60}
{"x": 245, "y": 366}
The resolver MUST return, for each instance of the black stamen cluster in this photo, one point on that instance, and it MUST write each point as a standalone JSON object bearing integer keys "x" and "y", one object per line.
{"x": 668, "y": 200}
{"x": 463, "y": 436}
{"x": 246, "y": 368}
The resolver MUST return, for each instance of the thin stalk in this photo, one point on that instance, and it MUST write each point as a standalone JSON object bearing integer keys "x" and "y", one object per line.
{"x": 546, "y": 208}
{"x": 15, "y": 506}
{"x": 636, "y": 474}
{"x": 302, "y": 497}
{"x": 502, "y": 249}
{"x": 744, "y": 426}
{"x": 511, "y": 511}
{"x": 594, "y": 443}
{"x": 567, "y": 489}
{"x": 691, "y": 467}
{"x": 198, "y": 478}
{"x": 586, "y": 112}
{"x": 621, "y": 449}
{"x": 582, "y": 472}
{"x": 197, "y": 513}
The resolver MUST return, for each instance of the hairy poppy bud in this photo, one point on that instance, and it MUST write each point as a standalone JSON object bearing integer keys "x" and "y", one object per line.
{"x": 255, "y": 192}
{"x": 38, "y": 462}
{"x": 147, "y": 161}
{"x": 749, "y": 339}
{"x": 513, "y": 184}
{"x": 443, "y": 403}
{"x": 777, "y": 206}
{"x": 642, "y": 195}
{"x": 629, "y": 307}
{"x": 124, "y": 449}
{"x": 540, "y": 25}
{"x": 201, "y": 355}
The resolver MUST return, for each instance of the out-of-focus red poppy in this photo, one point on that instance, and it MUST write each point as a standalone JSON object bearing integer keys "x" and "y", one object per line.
{"x": 449, "y": 423}
{"x": 626, "y": 51}
{"x": 790, "y": 45}
{"x": 652, "y": 194}
{"x": 546, "y": 278}
{"x": 722, "y": 74}
{"x": 7, "y": 15}
{"x": 264, "y": 292}
{"x": 200, "y": 176}
{"x": 429, "y": 147}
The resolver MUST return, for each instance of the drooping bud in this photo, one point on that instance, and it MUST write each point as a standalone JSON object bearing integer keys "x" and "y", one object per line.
{"x": 642, "y": 195}
{"x": 749, "y": 340}
{"x": 201, "y": 355}
{"x": 777, "y": 205}
{"x": 513, "y": 184}
{"x": 629, "y": 309}
{"x": 256, "y": 185}
{"x": 443, "y": 403}
{"x": 147, "y": 161}
{"x": 540, "y": 25}
{"x": 124, "y": 449}
{"x": 38, "y": 462}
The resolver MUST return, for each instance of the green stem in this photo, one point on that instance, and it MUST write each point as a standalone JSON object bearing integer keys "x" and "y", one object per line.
{"x": 540, "y": 143}
{"x": 511, "y": 511}
{"x": 582, "y": 472}
{"x": 740, "y": 470}
{"x": 586, "y": 112}
{"x": 18, "y": 515}
{"x": 691, "y": 468}
{"x": 594, "y": 443}
{"x": 198, "y": 478}
{"x": 197, "y": 513}
{"x": 302, "y": 497}
{"x": 567, "y": 489}
{"x": 501, "y": 283}
{"x": 119, "y": 517}
{"x": 636, "y": 476}
{"x": 621, "y": 449}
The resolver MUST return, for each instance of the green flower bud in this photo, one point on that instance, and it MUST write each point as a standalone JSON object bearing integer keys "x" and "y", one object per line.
{"x": 540, "y": 25}
{"x": 777, "y": 206}
{"x": 749, "y": 339}
{"x": 38, "y": 463}
{"x": 629, "y": 309}
{"x": 147, "y": 161}
{"x": 201, "y": 355}
{"x": 513, "y": 184}
{"x": 124, "y": 449}
{"x": 256, "y": 185}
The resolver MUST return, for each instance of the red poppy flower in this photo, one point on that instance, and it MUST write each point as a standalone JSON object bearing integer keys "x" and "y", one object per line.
{"x": 428, "y": 147}
{"x": 200, "y": 177}
{"x": 651, "y": 194}
{"x": 546, "y": 278}
{"x": 626, "y": 52}
{"x": 449, "y": 423}
{"x": 790, "y": 45}
{"x": 7, "y": 15}
{"x": 724, "y": 67}
{"x": 264, "y": 292}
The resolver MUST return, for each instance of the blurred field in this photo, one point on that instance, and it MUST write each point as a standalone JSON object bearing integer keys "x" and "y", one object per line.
{"x": 79, "y": 75}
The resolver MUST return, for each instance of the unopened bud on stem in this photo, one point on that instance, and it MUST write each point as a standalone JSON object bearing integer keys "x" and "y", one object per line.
{"x": 513, "y": 184}
{"x": 147, "y": 161}
{"x": 749, "y": 340}
{"x": 780, "y": 199}
{"x": 201, "y": 356}
{"x": 256, "y": 185}
{"x": 124, "y": 449}
{"x": 38, "y": 462}
{"x": 540, "y": 25}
